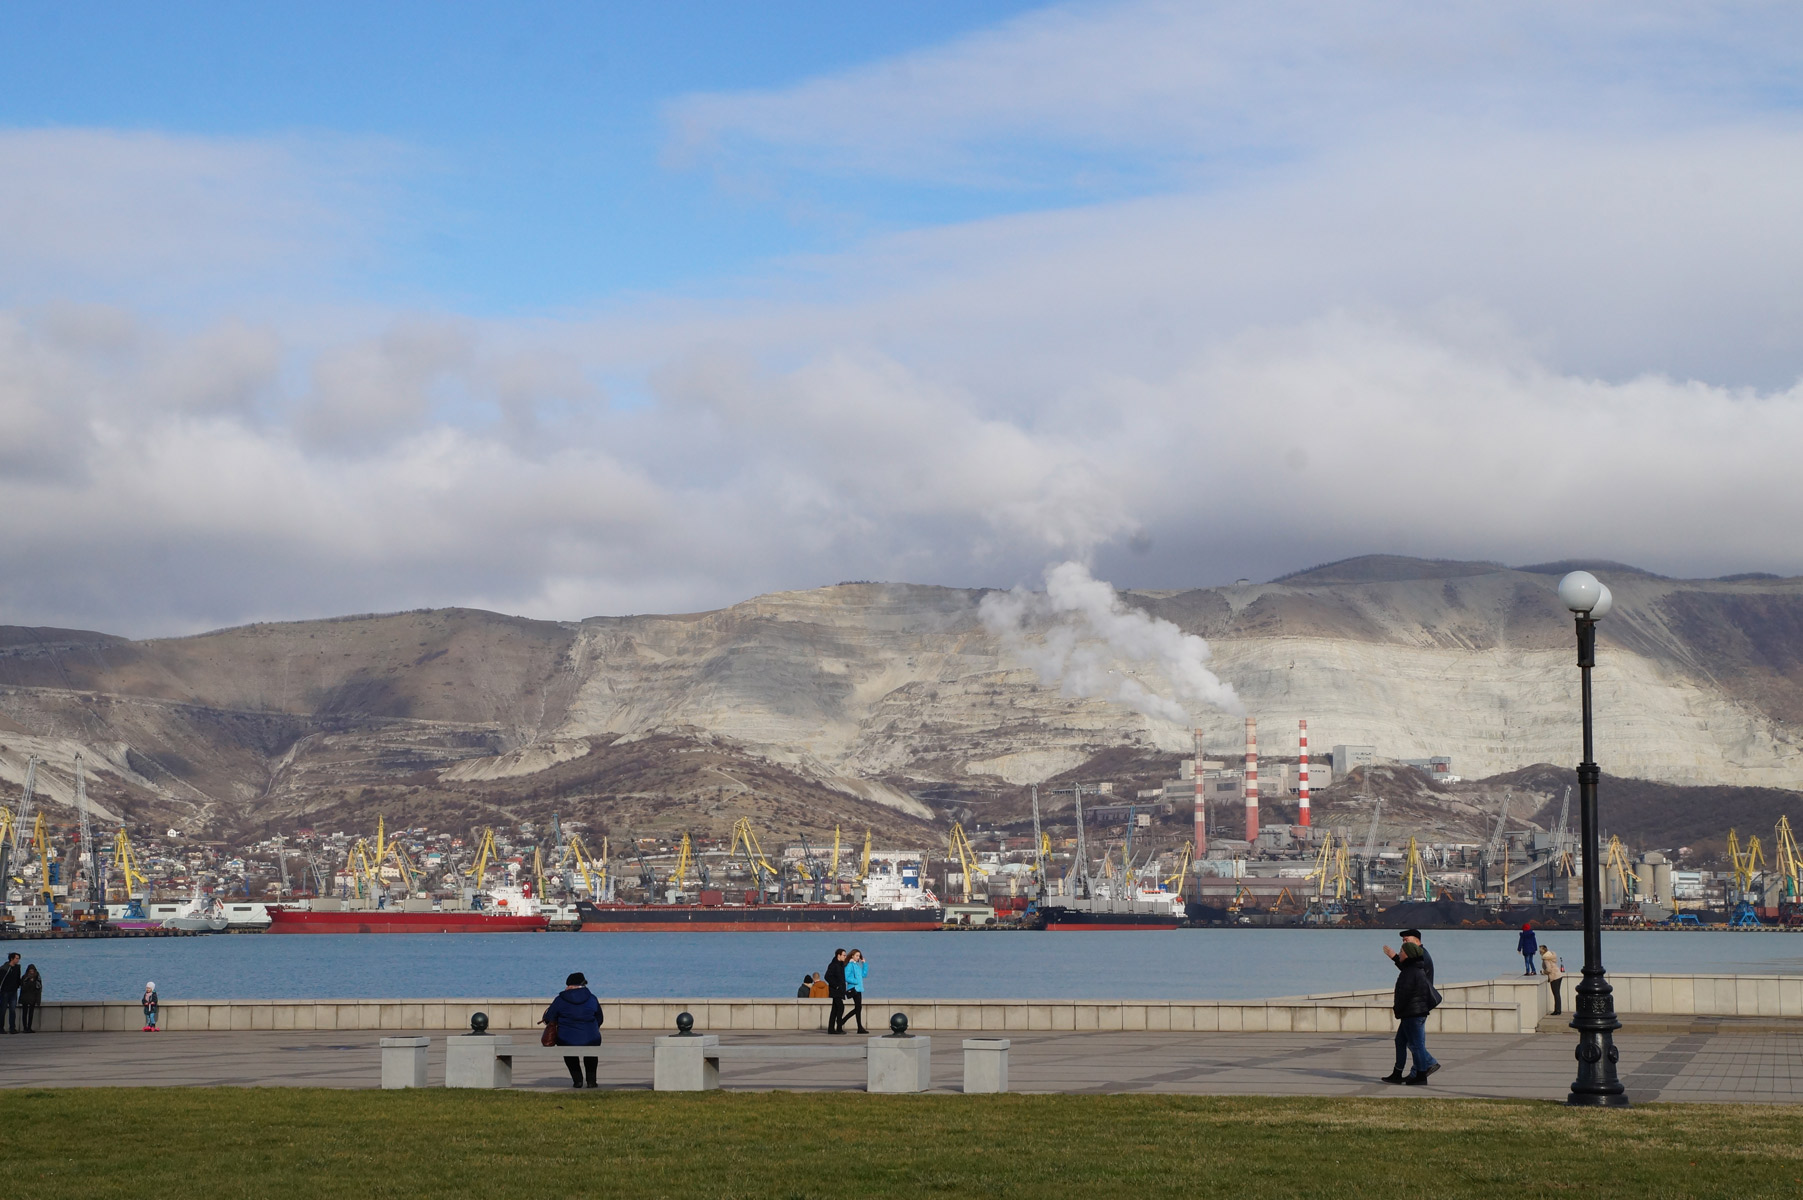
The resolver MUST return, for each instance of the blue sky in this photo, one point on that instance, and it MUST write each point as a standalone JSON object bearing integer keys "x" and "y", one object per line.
{"x": 520, "y": 151}
{"x": 577, "y": 309}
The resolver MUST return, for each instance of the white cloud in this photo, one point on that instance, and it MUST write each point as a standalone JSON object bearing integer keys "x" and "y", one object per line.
{"x": 1445, "y": 335}
{"x": 133, "y": 215}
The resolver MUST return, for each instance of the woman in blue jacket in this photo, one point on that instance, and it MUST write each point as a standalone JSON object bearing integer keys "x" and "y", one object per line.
{"x": 577, "y": 1016}
{"x": 855, "y": 971}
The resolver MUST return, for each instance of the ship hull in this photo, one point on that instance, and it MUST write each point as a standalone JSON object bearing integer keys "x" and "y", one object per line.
{"x": 761, "y": 918}
{"x": 1066, "y": 920}
{"x": 383, "y": 921}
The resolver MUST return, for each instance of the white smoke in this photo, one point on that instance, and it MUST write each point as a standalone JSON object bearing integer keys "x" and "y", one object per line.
{"x": 1080, "y": 635}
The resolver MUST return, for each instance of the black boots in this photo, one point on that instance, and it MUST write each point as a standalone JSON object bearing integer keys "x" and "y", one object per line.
{"x": 1392, "y": 1077}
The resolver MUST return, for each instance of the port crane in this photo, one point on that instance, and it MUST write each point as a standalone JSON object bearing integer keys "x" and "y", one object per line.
{"x": 966, "y": 855}
{"x": 15, "y": 826}
{"x": 125, "y": 861}
{"x": 1789, "y": 865}
{"x": 1368, "y": 857}
{"x": 685, "y": 857}
{"x": 1747, "y": 864}
{"x": 1415, "y": 883}
{"x": 763, "y": 873}
{"x": 1039, "y": 851}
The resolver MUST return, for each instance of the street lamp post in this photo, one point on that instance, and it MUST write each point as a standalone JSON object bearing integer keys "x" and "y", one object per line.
{"x": 1594, "y": 1008}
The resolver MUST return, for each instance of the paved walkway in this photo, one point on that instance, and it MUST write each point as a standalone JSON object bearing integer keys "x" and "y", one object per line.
{"x": 1677, "y": 1066}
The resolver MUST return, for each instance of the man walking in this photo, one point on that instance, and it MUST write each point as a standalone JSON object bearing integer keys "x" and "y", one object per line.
{"x": 1528, "y": 946}
{"x": 11, "y": 976}
{"x": 835, "y": 987}
{"x": 1413, "y": 999}
{"x": 1413, "y": 936}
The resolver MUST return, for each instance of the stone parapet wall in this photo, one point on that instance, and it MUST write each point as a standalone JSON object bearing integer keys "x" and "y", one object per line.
{"x": 1303, "y": 1014}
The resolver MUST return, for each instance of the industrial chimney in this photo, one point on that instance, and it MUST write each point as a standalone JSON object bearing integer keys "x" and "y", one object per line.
{"x": 1201, "y": 811}
{"x": 1251, "y": 779}
{"x": 1302, "y": 770}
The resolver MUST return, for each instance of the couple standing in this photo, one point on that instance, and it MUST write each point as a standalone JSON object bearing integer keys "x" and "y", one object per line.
{"x": 845, "y": 977}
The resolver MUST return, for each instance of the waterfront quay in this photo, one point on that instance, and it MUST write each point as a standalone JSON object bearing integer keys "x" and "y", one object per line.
{"x": 1690, "y": 1037}
{"x": 1721, "y": 1067}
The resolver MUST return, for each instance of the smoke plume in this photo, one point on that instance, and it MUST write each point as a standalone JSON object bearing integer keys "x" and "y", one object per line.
{"x": 1080, "y": 635}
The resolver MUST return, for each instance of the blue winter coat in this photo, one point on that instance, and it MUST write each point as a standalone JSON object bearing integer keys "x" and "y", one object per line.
{"x": 1527, "y": 943}
{"x": 578, "y": 1017}
{"x": 854, "y": 976}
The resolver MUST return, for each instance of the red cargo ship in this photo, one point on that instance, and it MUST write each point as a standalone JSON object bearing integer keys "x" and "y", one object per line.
{"x": 753, "y": 918}
{"x": 395, "y": 920}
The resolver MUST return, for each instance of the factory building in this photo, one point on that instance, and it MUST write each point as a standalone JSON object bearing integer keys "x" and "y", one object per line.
{"x": 1345, "y": 758}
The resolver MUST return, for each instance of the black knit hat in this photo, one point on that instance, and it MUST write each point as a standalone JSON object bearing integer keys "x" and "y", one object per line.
{"x": 576, "y": 979}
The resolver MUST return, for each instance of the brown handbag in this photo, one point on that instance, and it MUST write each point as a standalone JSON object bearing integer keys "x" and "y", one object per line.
{"x": 549, "y": 1036}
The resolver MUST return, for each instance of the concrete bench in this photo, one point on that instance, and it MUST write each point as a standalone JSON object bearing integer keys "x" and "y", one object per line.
{"x": 486, "y": 1061}
{"x": 690, "y": 1062}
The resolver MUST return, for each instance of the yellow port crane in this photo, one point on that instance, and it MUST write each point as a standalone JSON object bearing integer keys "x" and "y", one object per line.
{"x": 1183, "y": 860}
{"x": 1787, "y": 860}
{"x": 833, "y": 874}
{"x": 966, "y": 854}
{"x": 1415, "y": 883}
{"x": 685, "y": 858}
{"x": 744, "y": 837}
{"x": 1616, "y": 864}
{"x": 485, "y": 850}
{"x": 125, "y": 861}
{"x": 576, "y": 855}
{"x": 1747, "y": 863}
{"x": 40, "y": 841}
{"x": 1330, "y": 873}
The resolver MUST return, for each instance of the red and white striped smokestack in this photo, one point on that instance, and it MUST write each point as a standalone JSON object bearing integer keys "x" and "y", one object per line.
{"x": 1302, "y": 770}
{"x": 1251, "y": 779}
{"x": 1201, "y": 812}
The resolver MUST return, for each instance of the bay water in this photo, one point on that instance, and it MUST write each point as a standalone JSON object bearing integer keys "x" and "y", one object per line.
{"x": 1213, "y": 964}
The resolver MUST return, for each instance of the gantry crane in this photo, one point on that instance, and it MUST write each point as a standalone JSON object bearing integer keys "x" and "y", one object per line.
{"x": 485, "y": 849}
{"x": 1178, "y": 876}
{"x": 966, "y": 855}
{"x": 1789, "y": 865}
{"x": 125, "y": 861}
{"x": 1415, "y": 883}
{"x": 1616, "y": 865}
{"x": 685, "y": 857}
{"x": 15, "y": 827}
{"x": 762, "y": 872}
{"x": 1747, "y": 864}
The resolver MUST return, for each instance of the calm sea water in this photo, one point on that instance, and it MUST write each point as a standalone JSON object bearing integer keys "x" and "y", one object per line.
{"x": 1203, "y": 963}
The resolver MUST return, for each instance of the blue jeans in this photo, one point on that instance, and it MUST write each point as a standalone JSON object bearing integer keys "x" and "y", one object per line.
{"x": 1411, "y": 1038}
{"x": 1527, "y": 960}
{"x": 9, "y": 1011}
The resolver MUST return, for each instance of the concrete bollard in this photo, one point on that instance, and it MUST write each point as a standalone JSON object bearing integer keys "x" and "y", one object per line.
{"x": 404, "y": 1062}
{"x": 478, "y": 1062}
{"x": 685, "y": 1063}
{"x": 899, "y": 1064}
{"x": 986, "y": 1064}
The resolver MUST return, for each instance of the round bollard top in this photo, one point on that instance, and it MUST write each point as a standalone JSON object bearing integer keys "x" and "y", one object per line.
{"x": 685, "y": 1024}
{"x": 478, "y": 1024}
{"x": 898, "y": 1025}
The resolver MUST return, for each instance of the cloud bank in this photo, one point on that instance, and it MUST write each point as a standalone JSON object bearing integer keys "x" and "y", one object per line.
{"x": 1520, "y": 286}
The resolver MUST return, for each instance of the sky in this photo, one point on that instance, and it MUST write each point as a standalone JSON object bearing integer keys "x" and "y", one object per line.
{"x": 579, "y": 309}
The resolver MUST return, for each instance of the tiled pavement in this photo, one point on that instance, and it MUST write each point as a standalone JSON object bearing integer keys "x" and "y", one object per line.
{"x": 1677, "y": 1066}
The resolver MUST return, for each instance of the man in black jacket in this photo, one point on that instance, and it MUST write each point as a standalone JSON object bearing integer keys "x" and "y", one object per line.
{"x": 11, "y": 976}
{"x": 1413, "y": 999}
{"x": 835, "y": 987}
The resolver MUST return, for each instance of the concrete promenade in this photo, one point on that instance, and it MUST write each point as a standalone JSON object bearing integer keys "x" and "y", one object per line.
{"x": 1676, "y": 1066}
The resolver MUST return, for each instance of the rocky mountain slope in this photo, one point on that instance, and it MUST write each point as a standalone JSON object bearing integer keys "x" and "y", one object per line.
{"x": 883, "y": 704}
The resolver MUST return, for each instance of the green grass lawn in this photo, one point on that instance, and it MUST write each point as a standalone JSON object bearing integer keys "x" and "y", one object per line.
{"x": 169, "y": 1143}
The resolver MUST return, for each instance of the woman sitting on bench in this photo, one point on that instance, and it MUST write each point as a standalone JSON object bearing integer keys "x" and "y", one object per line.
{"x": 574, "y": 1019}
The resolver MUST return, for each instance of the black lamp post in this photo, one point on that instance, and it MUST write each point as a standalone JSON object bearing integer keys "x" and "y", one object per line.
{"x": 1593, "y": 1013}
